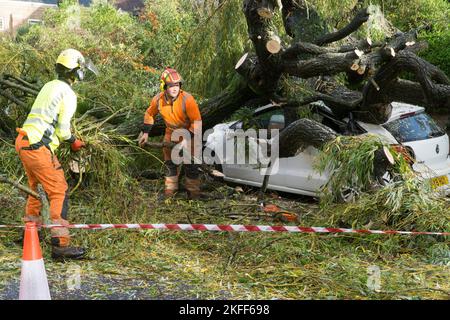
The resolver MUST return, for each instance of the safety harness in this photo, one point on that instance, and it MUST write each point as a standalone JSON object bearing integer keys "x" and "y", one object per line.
{"x": 183, "y": 106}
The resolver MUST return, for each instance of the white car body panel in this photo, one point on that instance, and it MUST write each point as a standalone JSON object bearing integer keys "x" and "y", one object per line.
{"x": 297, "y": 175}
{"x": 429, "y": 164}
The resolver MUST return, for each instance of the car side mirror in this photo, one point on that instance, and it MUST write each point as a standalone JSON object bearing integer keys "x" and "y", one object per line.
{"x": 237, "y": 125}
{"x": 276, "y": 122}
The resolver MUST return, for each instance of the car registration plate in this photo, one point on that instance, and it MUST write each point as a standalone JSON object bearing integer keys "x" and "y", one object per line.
{"x": 439, "y": 182}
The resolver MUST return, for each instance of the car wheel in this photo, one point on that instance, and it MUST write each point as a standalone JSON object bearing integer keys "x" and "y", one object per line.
{"x": 386, "y": 179}
{"x": 348, "y": 195}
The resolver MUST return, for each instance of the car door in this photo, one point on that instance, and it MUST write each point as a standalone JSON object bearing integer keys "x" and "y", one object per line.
{"x": 246, "y": 150}
{"x": 292, "y": 174}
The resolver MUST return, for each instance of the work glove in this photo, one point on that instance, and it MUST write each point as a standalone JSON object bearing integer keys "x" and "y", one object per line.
{"x": 77, "y": 145}
{"x": 142, "y": 140}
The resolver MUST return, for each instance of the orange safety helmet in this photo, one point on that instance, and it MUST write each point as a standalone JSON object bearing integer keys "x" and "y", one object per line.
{"x": 170, "y": 76}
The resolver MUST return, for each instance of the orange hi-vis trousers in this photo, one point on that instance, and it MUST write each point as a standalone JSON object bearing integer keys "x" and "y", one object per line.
{"x": 42, "y": 166}
{"x": 192, "y": 182}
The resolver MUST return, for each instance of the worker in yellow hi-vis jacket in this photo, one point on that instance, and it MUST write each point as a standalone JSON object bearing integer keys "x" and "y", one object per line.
{"x": 47, "y": 125}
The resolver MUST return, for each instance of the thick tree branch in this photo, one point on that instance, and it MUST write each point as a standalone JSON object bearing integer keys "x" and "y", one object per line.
{"x": 436, "y": 94}
{"x": 20, "y": 187}
{"x": 309, "y": 48}
{"x": 361, "y": 17}
{"x": 13, "y": 85}
{"x": 13, "y": 98}
{"x": 266, "y": 70}
{"x": 325, "y": 64}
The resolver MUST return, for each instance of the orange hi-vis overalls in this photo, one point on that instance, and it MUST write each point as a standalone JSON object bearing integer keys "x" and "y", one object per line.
{"x": 47, "y": 124}
{"x": 42, "y": 166}
{"x": 182, "y": 112}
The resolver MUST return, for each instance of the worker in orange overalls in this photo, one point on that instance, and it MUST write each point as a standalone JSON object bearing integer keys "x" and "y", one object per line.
{"x": 48, "y": 124}
{"x": 179, "y": 110}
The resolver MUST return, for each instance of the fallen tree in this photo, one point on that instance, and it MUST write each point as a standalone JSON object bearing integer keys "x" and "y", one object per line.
{"x": 318, "y": 56}
{"x": 373, "y": 71}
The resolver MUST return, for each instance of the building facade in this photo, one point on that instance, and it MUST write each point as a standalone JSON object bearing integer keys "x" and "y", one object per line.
{"x": 14, "y": 13}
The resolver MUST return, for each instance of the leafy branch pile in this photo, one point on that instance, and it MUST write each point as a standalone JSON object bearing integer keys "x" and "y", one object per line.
{"x": 405, "y": 201}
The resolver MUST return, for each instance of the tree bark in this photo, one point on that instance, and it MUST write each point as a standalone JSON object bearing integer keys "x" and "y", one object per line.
{"x": 361, "y": 17}
{"x": 301, "y": 134}
{"x": 372, "y": 69}
{"x": 213, "y": 111}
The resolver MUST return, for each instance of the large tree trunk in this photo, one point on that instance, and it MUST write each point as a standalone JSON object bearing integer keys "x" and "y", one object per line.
{"x": 373, "y": 69}
{"x": 213, "y": 111}
{"x": 375, "y": 66}
{"x": 301, "y": 134}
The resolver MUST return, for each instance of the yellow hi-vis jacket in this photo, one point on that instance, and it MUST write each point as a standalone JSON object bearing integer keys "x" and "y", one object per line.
{"x": 49, "y": 119}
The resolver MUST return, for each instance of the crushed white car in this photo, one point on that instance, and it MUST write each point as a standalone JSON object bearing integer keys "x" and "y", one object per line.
{"x": 408, "y": 127}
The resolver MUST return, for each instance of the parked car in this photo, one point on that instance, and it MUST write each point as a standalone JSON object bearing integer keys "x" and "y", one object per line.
{"x": 408, "y": 127}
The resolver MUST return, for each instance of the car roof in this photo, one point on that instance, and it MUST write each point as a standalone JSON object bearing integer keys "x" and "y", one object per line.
{"x": 400, "y": 108}
{"x": 265, "y": 107}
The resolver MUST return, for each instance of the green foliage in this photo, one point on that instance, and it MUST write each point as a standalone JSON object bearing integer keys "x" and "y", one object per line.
{"x": 167, "y": 26}
{"x": 244, "y": 114}
{"x": 407, "y": 201}
{"x": 407, "y": 205}
{"x": 208, "y": 57}
{"x": 350, "y": 162}
{"x": 9, "y": 161}
{"x": 335, "y": 12}
{"x": 438, "y": 52}
{"x": 416, "y": 13}
{"x": 439, "y": 254}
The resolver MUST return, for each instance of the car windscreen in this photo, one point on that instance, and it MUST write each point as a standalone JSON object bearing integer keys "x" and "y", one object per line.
{"x": 413, "y": 128}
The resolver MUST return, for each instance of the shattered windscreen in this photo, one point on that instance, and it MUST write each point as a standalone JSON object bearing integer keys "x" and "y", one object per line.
{"x": 416, "y": 127}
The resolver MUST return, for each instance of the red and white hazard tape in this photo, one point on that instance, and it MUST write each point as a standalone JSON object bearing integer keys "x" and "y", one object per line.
{"x": 234, "y": 228}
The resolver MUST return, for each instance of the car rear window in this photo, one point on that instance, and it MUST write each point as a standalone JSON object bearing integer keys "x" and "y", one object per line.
{"x": 413, "y": 128}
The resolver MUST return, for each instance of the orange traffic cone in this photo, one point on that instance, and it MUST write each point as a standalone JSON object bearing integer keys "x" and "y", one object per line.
{"x": 33, "y": 279}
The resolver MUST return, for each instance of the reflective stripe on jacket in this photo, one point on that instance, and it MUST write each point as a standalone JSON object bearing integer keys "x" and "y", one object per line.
{"x": 49, "y": 119}
{"x": 179, "y": 113}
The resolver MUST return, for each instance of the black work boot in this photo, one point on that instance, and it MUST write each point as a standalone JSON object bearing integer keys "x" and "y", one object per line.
{"x": 198, "y": 196}
{"x": 68, "y": 252}
{"x": 193, "y": 189}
